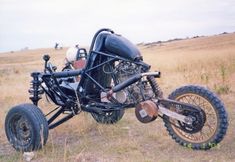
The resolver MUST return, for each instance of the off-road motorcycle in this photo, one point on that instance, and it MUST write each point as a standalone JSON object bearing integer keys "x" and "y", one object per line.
{"x": 113, "y": 79}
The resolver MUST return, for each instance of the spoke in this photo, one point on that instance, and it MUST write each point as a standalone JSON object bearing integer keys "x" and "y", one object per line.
{"x": 203, "y": 135}
{"x": 187, "y": 99}
{"x": 183, "y": 100}
{"x": 194, "y": 100}
{"x": 202, "y": 102}
{"x": 209, "y": 126}
{"x": 191, "y": 100}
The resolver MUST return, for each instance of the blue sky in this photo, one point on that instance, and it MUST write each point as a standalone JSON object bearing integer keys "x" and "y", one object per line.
{"x": 41, "y": 23}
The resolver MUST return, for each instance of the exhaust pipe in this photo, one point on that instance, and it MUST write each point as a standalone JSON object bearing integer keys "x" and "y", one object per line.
{"x": 132, "y": 80}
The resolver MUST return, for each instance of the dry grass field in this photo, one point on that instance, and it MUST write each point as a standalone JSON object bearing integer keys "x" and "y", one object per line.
{"x": 207, "y": 61}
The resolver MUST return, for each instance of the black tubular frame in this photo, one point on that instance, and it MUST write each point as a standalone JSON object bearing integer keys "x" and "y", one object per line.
{"x": 53, "y": 90}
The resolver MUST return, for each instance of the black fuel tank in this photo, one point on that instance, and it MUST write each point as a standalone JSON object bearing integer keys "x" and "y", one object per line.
{"x": 121, "y": 46}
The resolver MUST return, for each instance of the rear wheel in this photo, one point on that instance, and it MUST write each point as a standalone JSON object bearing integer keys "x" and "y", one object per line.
{"x": 26, "y": 127}
{"x": 108, "y": 117}
{"x": 209, "y": 129}
{"x": 105, "y": 79}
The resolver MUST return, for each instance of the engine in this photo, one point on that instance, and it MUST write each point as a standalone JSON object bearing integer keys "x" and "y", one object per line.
{"x": 135, "y": 93}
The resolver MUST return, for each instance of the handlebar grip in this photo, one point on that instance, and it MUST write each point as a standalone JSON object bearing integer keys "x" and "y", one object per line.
{"x": 65, "y": 74}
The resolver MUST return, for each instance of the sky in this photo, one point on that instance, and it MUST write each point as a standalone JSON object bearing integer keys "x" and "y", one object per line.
{"x": 42, "y": 23}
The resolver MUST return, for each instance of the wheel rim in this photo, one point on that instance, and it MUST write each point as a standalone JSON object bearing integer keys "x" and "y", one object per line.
{"x": 20, "y": 130}
{"x": 210, "y": 126}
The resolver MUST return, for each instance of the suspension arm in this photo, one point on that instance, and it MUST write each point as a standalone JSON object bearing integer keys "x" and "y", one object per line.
{"x": 69, "y": 116}
{"x": 164, "y": 106}
{"x": 175, "y": 115}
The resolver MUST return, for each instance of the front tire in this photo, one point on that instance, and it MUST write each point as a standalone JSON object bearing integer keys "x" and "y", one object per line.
{"x": 26, "y": 128}
{"x": 216, "y": 122}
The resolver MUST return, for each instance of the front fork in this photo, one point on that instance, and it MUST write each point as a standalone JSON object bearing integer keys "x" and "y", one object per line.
{"x": 35, "y": 90}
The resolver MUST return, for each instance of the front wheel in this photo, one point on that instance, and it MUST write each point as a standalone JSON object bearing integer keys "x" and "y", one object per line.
{"x": 26, "y": 128}
{"x": 215, "y": 121}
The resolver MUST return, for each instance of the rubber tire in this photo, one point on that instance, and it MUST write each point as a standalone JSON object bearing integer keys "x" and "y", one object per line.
{"x": 38, "y": 123}
{"x": 219, "y": 109}
{"x": 110, "y": 119}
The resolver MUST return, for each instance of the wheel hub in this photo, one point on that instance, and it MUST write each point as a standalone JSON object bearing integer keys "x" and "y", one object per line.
{"x": 22, "y": 130}
{"x": 198, "y": 120}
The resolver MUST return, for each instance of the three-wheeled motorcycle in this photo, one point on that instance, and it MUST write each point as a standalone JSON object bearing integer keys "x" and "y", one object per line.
{"x": 115, "y": 78}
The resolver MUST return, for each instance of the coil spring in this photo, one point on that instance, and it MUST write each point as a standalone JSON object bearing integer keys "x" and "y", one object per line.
{"x": 35, "y": 91}
{"x": 156, "y": 88}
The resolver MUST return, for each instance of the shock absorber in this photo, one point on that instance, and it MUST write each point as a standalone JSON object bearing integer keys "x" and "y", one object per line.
{"x": 35, "y": 91}
{"x": 156, "y": 89}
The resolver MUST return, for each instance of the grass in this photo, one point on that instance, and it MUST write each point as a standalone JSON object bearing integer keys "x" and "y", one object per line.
{"x": 205, "y": 61}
